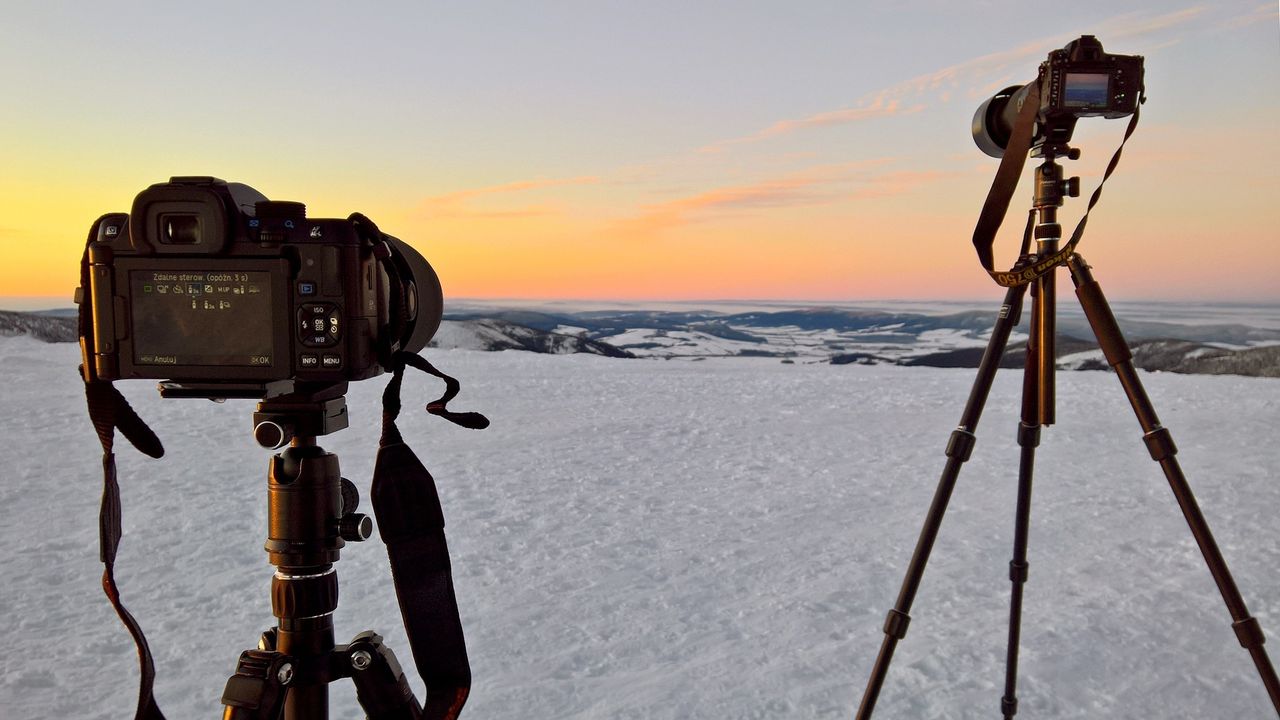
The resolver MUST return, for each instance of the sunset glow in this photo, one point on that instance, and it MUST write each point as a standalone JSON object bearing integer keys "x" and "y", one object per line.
{"x": 661, "y": 152}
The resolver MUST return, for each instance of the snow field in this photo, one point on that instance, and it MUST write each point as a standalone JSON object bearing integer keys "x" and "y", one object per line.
{"x": 670, "y": 539}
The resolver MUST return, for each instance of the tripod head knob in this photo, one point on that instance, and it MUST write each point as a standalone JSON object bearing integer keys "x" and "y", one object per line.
{"x": 273, "y": 434}
{"x": 355, "y": 527}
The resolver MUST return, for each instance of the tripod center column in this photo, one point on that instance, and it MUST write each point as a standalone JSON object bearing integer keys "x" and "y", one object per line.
{"x": 1048, "y": 198}
{"x": 304, "y": 505}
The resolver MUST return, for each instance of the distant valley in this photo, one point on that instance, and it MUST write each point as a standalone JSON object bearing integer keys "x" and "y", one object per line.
{"x": 844, "y": 335}
{"x": 835, "y": 335}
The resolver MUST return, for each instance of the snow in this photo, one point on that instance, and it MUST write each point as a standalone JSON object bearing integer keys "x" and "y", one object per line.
{"x": 645, "y": 539}
{"x": 888, "y": 341}
{"x": 476, "y": 335}
{"x": 646, "y": 342}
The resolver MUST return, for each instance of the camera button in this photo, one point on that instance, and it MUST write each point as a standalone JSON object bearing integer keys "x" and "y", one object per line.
{"x": 332, "y": 361}
{"x": 307, "y": 360}
{"x": 306, "y": 288}
{"x": 318, "y": 324}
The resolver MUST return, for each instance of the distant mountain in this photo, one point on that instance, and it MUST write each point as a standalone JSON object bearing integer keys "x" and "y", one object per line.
{"x": 43, "y": 326}
{"x": 494, "y": 334}
{"x": 1193, "y": 358}
{"x": 819, "y": 334}
{"x": 1178, "y": 356}
{"x": 487, "y": 334}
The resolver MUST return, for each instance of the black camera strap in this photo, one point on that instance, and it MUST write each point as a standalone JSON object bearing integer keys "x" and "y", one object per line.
{"x": 411, "y": 523}
{"x": 1006, "y": 181}
{"x": 109, "y": 411}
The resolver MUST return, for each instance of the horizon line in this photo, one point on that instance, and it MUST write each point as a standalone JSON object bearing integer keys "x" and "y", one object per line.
{"x": 36, "y": 303}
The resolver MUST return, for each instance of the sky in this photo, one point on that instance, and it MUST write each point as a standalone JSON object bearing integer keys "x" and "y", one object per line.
{"x": 808, "y": 151}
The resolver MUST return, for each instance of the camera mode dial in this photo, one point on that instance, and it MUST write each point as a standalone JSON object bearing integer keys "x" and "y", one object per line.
{"x": 276, "y": 218}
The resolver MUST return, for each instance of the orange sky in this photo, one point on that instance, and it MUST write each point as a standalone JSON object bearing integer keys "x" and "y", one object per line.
{"x": 520, "y": 174}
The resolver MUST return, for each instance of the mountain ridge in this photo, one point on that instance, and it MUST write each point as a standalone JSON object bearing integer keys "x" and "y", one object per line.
{"x": 814, "y": 334}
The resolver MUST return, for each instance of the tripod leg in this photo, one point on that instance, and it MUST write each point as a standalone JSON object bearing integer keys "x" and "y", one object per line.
{"x": 1028, "y": 440}
{"x": 959, "y": 448}
{"x": 1160, "y": 444}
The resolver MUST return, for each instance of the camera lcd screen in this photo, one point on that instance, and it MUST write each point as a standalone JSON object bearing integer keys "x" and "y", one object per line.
{"x": 1086, "y": 91}
{"x": 192, "y": 317}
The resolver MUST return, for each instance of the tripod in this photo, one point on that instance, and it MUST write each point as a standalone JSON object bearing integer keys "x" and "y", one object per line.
{"x": 1038, "y": 410}
{"x": 311, "y": 515}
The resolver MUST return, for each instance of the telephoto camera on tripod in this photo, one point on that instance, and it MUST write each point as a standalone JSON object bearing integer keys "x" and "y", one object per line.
{"x": 220, "y": 293}
{"x": 1037, "y": 119}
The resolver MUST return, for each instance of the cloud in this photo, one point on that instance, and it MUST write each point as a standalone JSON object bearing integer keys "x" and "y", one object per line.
{"x": 877, "y": 108}
{"x": 985, "y": 74}
{"x": 1260, "y": 13}
{"x": 1133, "y": 25}
{"x": 975, "y": 78}
{"x": 458, "y": 203}
{"x": 819, "y": 185}
{"x": 898, "y": 183}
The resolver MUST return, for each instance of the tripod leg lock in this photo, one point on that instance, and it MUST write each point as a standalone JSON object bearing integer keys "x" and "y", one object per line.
{"x": 381, "y": 686}
{"x": 1018, "y": 571}
{"x": 1009, "y": 706}
{"x": 1160, "y": 444}
{"x": 1028, "y": 435}
{"x": 1249, "y": 632}
{"x": 895, "y": 625}
{"x": 960, "y": 446}
{"x": 257, "y": 690}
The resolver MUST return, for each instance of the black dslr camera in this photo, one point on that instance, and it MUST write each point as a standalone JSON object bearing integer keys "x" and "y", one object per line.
{"x": 1080, "y": 80}
{"x": 223, "y": 293}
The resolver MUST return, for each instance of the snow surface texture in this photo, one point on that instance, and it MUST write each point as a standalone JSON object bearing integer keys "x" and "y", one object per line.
{"x": 670, "y": 539}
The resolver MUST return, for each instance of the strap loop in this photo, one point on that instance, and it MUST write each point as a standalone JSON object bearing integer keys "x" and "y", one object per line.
{"x": 439, "y": 406}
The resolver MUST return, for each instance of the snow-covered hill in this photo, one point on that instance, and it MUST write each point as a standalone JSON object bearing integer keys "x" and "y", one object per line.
{"x": 1182, "y": 339}
{"x": 50, "y": 328}
{"x": 493, "y": 334}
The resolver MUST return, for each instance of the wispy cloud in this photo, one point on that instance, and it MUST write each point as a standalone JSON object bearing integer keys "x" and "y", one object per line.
{"x": 819, "y": 185}
{"x": 985, "y": 74}
{"x": 459, "y": 203}
{"x": 1132, "y": 25}
{"x": 898, "y": 183}
{"x": 1260, "y": 13}
{"x": 877, "y": 108}
{"x": 974, "y": 78}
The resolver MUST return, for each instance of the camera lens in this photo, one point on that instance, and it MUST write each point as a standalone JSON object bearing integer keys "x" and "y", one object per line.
{"x": 424, "y": 300}
{"x": 181, "y": 229}
{"x": 993, "y": 122}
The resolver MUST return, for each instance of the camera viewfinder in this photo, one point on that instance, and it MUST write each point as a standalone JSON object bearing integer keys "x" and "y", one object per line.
{"x": 180, "y": 229}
